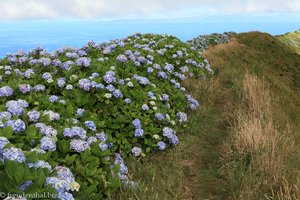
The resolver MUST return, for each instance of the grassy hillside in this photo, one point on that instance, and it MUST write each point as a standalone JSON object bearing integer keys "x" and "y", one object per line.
{"x": 292, "y": 39}
{"x": 243, "y": 142}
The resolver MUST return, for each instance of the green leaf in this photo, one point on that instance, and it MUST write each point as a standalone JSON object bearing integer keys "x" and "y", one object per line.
{"x": 101, "y": 124}
{"x": 16, "y": 171}
{"x": 7, "y": 132}
{"x": 70, "y": 159}
{"x": 31, "y": 133}
{"x": 64, "y": 145}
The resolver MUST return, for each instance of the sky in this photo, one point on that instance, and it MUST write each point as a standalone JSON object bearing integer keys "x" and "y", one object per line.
{"x": 25, "y": 24}
{"x": 12, "y": 10}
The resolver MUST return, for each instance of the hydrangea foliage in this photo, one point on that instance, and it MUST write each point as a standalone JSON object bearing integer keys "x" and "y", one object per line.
{"x": 71, "y": 117}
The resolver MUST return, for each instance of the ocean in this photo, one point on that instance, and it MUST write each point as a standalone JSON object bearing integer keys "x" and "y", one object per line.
{"x": 53, "y": 34}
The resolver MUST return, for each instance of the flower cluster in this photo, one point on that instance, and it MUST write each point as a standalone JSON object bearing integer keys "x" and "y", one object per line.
{"x": 78, "y": 107}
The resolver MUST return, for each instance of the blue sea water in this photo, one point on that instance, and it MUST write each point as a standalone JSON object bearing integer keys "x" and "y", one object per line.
{"x": 53, "y": 34}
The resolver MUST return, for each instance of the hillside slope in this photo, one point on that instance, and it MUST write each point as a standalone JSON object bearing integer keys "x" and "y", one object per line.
{"x": 249, "y": 113}
{"x": 292, "y": 39}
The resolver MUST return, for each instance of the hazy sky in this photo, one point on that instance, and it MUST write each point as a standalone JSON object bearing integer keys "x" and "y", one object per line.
{"x": 139, "y": 9}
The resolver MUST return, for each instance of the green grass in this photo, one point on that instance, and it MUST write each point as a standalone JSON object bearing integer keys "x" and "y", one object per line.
{"x": 292, "y": 39}
{"x": 192, "y": 170}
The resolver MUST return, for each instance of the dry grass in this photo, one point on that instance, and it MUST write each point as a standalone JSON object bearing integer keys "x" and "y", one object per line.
{"x": 257, "y": 158}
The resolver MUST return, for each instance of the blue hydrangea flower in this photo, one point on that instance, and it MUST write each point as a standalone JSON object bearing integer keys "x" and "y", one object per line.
{"x": 95, "y": 74}
{"x": 109, "y": 77}
{"x": 90, "y": 125}
{"x": 136, "y": 151}
{"x": 159, "y": 116}
{"x": 165, "y": 97}
{"x": 79, "y": 145}
{"x": 80, "y": 111}
{"x": 110, "y": 88}
{"x": 18, "y": 126}
{"x": 5, "y": 115}
{"x": 118, "y": 160}
{"x": 141, "y": 59}
{"x": 84, "y": 84}
{"x": 48, "y": 143}
{"x": 60, "y": 184}
{"x": 150, "y": 70}
{"x": 184, "y": 69}
{"x": 39, "y": 88}
{"x": 137, "y": 64}
{"x": 38, "y": 150}
{"x": 14, "y": 108}
{"x": 75, "y": 131}
{"x": 52, "y": 115}
{"x": 81, "y": 52}
{"x": 45, "y": 61}
{"x": 150, "y": 94}
{"x": 162, "y": 75}
{"x": 99, "y": 86}
{"x": 91, "y": 139}
{"x": 101, "y": 59}
{"x": 118, "y": 93}
{"x": 103, "y": 146}
{"x": 171, "y": 135}
{"x": 47, "y": 76}
{"x": 169, "y": 67}
{"x": 145, "y": 107}
{"x": 137, "y": 123}
{"x": 6, "y": 91}
{"x": 61, "y": 82}
{"x": 3, "y": 141}
{"x": 102, "y": 136}
{"x": 40, "y": 164}
{"x": 141, "y": 80}
{"x": 14, "y": 154}
{"x": 161, "y": 145}
{"x": 46, "y": 130}
{"x": 33, "y": 62}
{"x": 177, "y": 85}
{"x": 56, "y": 63}
{"x": 65, "y": 195}
{"x": 121, "y": 58}
{"x": 193, "y": 102}
{"x": 138, "y": 132}
{"x": 122, "y": 81}
{"x": 93, "y": 84}
{"x": 127, "y": 100}
{"x": 83, "y": 61}
{"x": 72, "y": 55}
{"x": 22, "y": 103}
{"x": 28, "y": 73}
{"x": 182, "y": 117}
{"x": 67, "y": 65}
{"x": 53, "y": 98}
{"x": 25, "y": 185}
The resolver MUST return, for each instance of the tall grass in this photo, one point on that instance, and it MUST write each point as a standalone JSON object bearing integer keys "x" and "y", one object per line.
{"x": 256, "y": 161}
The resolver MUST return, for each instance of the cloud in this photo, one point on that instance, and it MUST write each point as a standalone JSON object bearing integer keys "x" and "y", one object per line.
{"x": 95, "y": 9}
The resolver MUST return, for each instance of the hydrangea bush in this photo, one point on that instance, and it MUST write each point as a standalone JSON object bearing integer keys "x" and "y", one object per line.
{"x": 202, "y": 42}
{"x": 69, "y": 118}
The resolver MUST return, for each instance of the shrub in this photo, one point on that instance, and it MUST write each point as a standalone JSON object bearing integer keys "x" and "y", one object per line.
{"x": 69, "y": 118}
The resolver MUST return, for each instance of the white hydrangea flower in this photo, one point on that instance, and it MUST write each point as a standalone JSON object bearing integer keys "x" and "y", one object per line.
{"x": 152, "y": 103}
{"x": 155, "y": 136}
{"x": 75, "y": 186}
{"x": 108, "y": 95}
{"x": 50, "y": 80}
{"x": 130, "y": 84}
